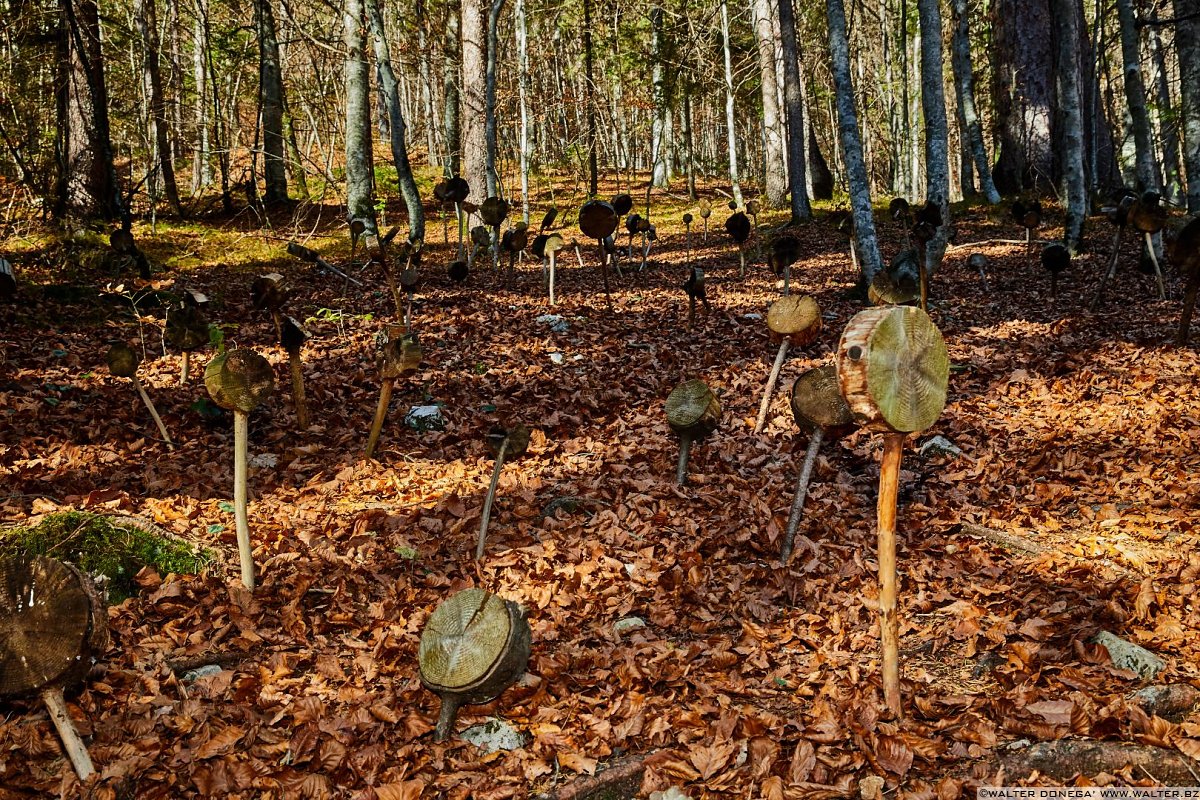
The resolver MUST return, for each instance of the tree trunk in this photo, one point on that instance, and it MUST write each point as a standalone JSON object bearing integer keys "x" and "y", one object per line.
{"x": 1187, "y": 44}
{"x": 1135, "y": 99}
{"x": 433, "y": 158}
{"x": 776, "y": 175}
{"x": 590, "y": 99}
{"x": 359, "y": 191}
{"x": 730, "y": 129}
{"x": 1023, "y": 78}
{"x": 88, "y": 179}
{"x": 474, "y": 102}
{"x": 396, "y": 125}
{"x": 450, "y": 78}
{"x": 937, "y": 144}
{"x": 201, "y": 166}
{"x": 660, "y": 169}
{"x": 493, "y": 183}
{"x": 1071, "y": 106}
{"x": 794, "y": 107}
{"x": 1164, "y": 121}
{"x": 270, "y": 92}
{"x": 147, "y": 22}
{"x": 522, "y": 98}
{"x": 688, "y": 154}
{"x": 964, "y": 82}
{"x": 856, "y": 169}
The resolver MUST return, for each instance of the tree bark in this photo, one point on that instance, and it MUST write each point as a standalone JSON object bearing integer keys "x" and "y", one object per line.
{"x": 730, "y": 128}
{"x": 522, "y": 98}
{"x": 590, "y": 100}
{"x": 147, "y": 22}
{"x": 359, "y": 190}
{"x": 775, "y": 170}
{"x": 964, "y": 82}
{"x": 1135, "y": 99}
{"x": 1024, "y": 94}
{"x": 856, "y": 169}
{"x": 1071, "y": 107}
{"x": 474, "y": 102}
{"x": 201, "y": 166}
{"x": 660, "y": 128}
{"x": 1164, "y": 121}
{"x": 493, "y": 183}
{"x": 270, "y": 92}
{"x": 1187, "y": 44}
{"x": 396, "y": 126}
{"x": 450, "y": 83}
{"x": 794, "y": 108}
{"x": 937, "y": 137}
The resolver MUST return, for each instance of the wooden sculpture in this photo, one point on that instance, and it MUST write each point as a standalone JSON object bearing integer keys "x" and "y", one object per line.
{"x": 123, "y": 363}
{"x": 511, "y": 443}
{"x": 793, "y": 321}
{"x": 693, "y": 412}
{"x": 293, "y": 338}
{"x": 399, "y": 355}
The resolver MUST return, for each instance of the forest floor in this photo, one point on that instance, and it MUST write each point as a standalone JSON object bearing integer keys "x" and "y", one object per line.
{"x": 1079, "y": 431}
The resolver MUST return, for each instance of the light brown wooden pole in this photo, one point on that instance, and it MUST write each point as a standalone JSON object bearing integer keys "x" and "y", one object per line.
{"x": 1158, "y": 276}
{"x": 385, "y": 399}
{"x": 1112, "y": 270}
{"x": 73, "y": 744}
{"x": 889, "y": 629}
{"x": 153, "y": 412}
{"x": 797, "y": 513}
{"x": 298, "y": 389}
{"x": 241, "y": 437}
{"x": 685, "y": 448}
{"x": 765, "y": 405}
{"x": 491, "y": 496}
{"x": 741, "y": 262}
{"x": 553, "y": 259}
{"x": 187, "y": 367}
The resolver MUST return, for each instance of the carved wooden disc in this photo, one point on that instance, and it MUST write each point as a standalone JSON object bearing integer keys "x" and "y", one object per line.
{"x": 465, "y": 636}
{"x": 693, "y": 407}
{"x": 239, "y": 380}
{"x": 795, "y": 316}
{"x": 597, "y": 219}
{"x": 894, "y": 369}
{"x": 817, "y": 400}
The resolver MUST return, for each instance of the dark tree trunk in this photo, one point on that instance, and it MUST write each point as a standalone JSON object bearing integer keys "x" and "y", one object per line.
{"x": 937, "y": 137}
{"x": 794, "y": 111}
{"x": 590, "y": 99}
{"x": 270, "y": 93}
{"x": 1187, "y": 43}
{"x": 1135, "y": 99}
{"x": 450, "y": 78}
{"x": 1023, "y": 77}
{"x": 147, "y": 21}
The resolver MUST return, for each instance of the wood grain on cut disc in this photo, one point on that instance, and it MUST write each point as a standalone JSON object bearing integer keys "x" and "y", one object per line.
{"x": 464, "y": 637}
{"x": 884, "y": 291}
{"x": 597, "y": 219}
{"x": 894, "y": 368}
{"x": 793, "y": 314}
{"x": 45, "y": 618}
{"x": 239, "y": 380}
{"x": 691, "y": 403}
{"x": 817, "y": 400}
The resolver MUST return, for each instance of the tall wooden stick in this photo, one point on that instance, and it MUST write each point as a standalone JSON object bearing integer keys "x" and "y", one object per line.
{"x": 685, "y": 448}
{"x": 491, "y": 495}
{"x": 153, "y": 412}
{"x": 187, "y": 367}
{"x": 797, "y": 513}
{"x": 780, "y": 357}
{"x": 889, "y": 630}
{"x": 76, "y": 750}
{"x": 553, "y": 259}
{"x": 385, "y": 399}
{"x": 1108, "y": 276}
{"x": 298, "y": 389}
{"x": 1158, "y": 276}
{"x": 241, "y": 436}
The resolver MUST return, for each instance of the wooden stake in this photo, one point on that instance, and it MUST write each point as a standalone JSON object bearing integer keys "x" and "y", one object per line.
{"x": 1158, "y": 276}
{"x": 770, "y": 388}
{"x": 797, "y": 513}
{"x": 787, "y": 280}
{"x": 553, "y": 259}
{"x": 491, "y": 495}
{"x": 187, "y": 366}
{"x": 1108, "y": 276}
{"x": 1189, "y": 305}
{"x": 385, "y": 399}
{"x": 241, "y": 436}
{"x": 447, "y": 714}
{"x": 604, "y": 270}
{"x": 73, "y": 744}
{"x": 741, "y": 262}
{"x": 153, "y": 412}
{"x": 685, "y": 448}
{"x": 298, "y": 389}
{"x": 889, "y": 630}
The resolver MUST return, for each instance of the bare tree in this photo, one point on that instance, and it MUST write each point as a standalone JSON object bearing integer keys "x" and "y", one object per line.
{"x": 359, "y": 172}
{"x": 775, "y": 183}
{"x": 473, "y": 98}
{"x": 1135, "y": 98}
{"x": 933, "y": 104}
{"x": 1187, "y": 44}
{"x": 964, "y": 83}
{"x": 270, "y": 90}
{"x": 1071, "y": 105}
{"x": 730, "y": 127}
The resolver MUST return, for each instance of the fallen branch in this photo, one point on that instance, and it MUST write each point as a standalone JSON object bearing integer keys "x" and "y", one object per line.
{"x": 985, "y": 243}
{"x": 312, "y": 257}
{"x": 1020, "y": 545}
{"x": 621, "y": 779}
{"x": 1063, "y": 759}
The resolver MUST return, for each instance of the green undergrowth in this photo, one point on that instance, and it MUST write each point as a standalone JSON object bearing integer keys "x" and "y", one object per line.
{"x": 114, "y": 547}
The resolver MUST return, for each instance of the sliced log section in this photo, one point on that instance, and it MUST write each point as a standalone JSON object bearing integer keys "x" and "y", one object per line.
{"x": 186, "y": 330}
{"x": 474, "y": 646}
{"x": 893, "y": 370}
{"x": 598, "y": 220}
{"x": 821, "y": 411}
{"x": 239, "y": 381}
{"x": 693, "y": 412}
{"x": 52, "y": 625}
{"x": 123, "y": 363}
{"x": 511, "y": 443}
{"x": 399, "y": 355}
{"x": 793, "y": 322}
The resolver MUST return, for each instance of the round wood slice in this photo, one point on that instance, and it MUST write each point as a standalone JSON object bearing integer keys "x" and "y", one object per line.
{"x": 517, "y": 437}
{"x": 186, "y": 328}
{"x": 493, "y": 211}
{"x": 622, "y": 204}
{"x": 693, "y": 408}
{"x": 268, "y": 291}
{"x": 239, "y": 380}
{"x": 52, "y": 622}
{"x": 457, "y": 189}
{"x": 597, "y": 219}
{"x": 817, "y": 402}
{"x": 884, "y": 291}
{"x": 894, "y": 369}
{"x": 400, "y": 353}
{"x": 796, "y": 317}
{"x": 705, "y": 208}
{"x": 122, "y": 360}
{"x": 474, "y": 645}
{"x": 738, "y": 227}
{"x": 292, "y": 334}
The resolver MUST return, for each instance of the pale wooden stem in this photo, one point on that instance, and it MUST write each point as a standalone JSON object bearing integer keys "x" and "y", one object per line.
{"x": 1158, "y": 276}
{"x": 496, "y": 249}
{"x": 787, "y": 280}
{"x": 491, "y": 496}
{"x": 241, "y": 437}
{"x": 765, "y": 405}
{"x": 298, "y": 389}
{"x": 889, "y": 629}
{"x": 853, "y": 256}
{"x": 1108, "y": 276}
{"x": 187, "y": 367}
{"x": 72, "y": 743}
{"x": 458, "y": 216}
{"x": 385, "y": 399}
{"x": 685, "y": 449}
{"x": 797, "y": 513}
{"x": 408, "y": 314}
{"x": 604, "y": 271}
{"x": 687, "y": 237}
{"x": 447, "y": 714}
{"x": 275, "y": 317}
{"x": 579, "y": 256}
{"x": 706, "y": 230}
{"x": 645, "y": 255}
{"x": 553, "y": 259}
{"x": 1029, "y": 241}
{"x": 741, "y": 262}
{"x": 154, "y": 413}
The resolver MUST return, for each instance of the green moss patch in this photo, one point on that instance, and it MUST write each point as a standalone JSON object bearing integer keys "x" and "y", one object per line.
{"x": 113, "y": 546}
